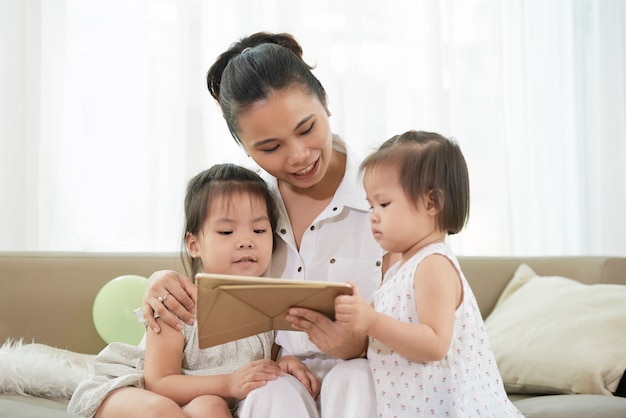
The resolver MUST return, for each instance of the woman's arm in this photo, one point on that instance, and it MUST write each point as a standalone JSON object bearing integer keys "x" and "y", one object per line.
{"x": 178, "y": 306}
{"x": 332, "y": 338}
{"x": 164, "y": 353}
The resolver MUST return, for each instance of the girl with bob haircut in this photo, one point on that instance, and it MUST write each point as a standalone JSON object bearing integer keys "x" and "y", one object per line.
{"x": 428, "y": 349}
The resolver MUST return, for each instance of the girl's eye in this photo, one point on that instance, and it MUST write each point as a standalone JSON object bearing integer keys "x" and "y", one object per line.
{"x": 260, "y": 231}
{"x": 381, "y": 205}
{"x": 224, "y": 232}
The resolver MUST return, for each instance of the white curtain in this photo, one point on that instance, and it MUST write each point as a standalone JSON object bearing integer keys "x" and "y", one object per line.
{"x": 104, "y": 112}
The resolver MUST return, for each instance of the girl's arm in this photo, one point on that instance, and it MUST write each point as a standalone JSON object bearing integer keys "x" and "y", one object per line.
{"x": 438, "y": 293}
{"x": 164, "y": 354}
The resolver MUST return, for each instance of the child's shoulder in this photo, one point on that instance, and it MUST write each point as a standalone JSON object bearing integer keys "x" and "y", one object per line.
{"x": 436, "y": 258}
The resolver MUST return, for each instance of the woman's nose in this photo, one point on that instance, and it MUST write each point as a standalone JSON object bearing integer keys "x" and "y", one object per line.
{"x": 298, "y": 152}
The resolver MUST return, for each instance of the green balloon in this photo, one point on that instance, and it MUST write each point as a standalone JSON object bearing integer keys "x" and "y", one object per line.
{"x": 113, "y": 309}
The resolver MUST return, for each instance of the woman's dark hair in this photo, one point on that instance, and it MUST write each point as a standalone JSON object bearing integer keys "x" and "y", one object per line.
{"x": 255, "y": 66}
{"x": 428, "y": 162}
{"x": 221, "y": 180}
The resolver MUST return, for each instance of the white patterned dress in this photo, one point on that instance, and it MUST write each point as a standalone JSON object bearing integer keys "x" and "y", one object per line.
{"x": 466, "y": 383}
{"x": 120, "y": 365}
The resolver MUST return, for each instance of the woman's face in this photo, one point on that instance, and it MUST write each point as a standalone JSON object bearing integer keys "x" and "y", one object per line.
{"x": 289, "y": 136}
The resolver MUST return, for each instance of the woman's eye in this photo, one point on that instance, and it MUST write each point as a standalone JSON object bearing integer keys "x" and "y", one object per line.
{"x": 270, "y": 150}
{"x": 310, "y": 128}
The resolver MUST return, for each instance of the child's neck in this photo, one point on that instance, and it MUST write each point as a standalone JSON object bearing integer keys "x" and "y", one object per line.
{"x": 438, "y": 238}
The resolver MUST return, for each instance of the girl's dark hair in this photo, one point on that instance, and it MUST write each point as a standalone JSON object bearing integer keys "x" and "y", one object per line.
{"x": 425, "y": 162}
{"x": 255, "y": 66}
{"x": 221, "y": 180}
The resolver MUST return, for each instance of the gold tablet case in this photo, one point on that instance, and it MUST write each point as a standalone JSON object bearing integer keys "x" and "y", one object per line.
{"x": 234, "y": 307}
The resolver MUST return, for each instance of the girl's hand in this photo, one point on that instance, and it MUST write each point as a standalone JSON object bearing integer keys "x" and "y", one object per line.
{"x": 179, "y": 303}
{"x": 354, "y": 312}
{"x": 295, "y": 367}
{"x": 251, "y": 376}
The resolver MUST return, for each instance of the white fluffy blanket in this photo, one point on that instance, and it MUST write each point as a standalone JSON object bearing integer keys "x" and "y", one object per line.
{"x": 42, "y": 370}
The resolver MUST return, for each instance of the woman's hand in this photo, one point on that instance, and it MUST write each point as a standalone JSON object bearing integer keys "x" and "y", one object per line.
{"x": 251, "y": 376}
{"x": 295, "y": 367}
{"x": 333, "y": 338}
{"x": 172, "y": 296}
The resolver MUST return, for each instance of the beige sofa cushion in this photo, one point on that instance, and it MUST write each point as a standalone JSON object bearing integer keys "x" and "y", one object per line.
{"x": 573, "y": 406}
{"x": 555, "y": 335}
{"x": 24, "y": 406}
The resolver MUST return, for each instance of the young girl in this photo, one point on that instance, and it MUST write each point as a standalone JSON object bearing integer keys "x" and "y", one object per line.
{"x": 229, "y": 222}
{"x": 428, "y": 349}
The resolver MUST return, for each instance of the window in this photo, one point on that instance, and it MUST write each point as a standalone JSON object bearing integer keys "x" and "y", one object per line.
{"x": 105, "y": 115}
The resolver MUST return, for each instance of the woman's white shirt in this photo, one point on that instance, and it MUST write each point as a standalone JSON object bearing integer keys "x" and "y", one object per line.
{"x": 338, "y": 246}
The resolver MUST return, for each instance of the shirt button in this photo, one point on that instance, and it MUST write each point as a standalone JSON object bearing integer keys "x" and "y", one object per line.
{"x": 332, "y": 261}
{"x": 283, "y": 231}
{"x": 312, "y": 227}
{"x": 378, "y": 263}
{"x": 334, "y": 209}
{"x": 299, "y": 269}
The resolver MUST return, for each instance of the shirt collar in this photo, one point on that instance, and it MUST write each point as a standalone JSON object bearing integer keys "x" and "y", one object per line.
{"x": 350, "y": 191}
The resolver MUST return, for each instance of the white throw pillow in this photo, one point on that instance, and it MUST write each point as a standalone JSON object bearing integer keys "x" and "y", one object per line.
{"x": 42, "y": 370}
{"x": 556, "y": 335}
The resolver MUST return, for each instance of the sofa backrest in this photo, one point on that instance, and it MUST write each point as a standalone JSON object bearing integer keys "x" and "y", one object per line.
{"x": 488, "y": 276}
{"x": 48, "y": 297}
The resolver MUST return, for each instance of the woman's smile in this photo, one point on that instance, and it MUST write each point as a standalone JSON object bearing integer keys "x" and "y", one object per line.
{"x": 307, "y": 170}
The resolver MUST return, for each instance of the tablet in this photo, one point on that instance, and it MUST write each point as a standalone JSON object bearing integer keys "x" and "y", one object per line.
{"x": 233, "y": 307}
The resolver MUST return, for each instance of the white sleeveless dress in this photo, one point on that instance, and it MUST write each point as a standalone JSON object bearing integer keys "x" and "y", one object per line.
{"x": 466, "y": 383}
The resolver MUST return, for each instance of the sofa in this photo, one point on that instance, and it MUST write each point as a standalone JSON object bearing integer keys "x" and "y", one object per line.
{"x": 47, "y": 302}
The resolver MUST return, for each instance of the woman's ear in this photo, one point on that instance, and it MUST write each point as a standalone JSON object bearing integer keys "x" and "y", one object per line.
{"x": 193, "y": 247}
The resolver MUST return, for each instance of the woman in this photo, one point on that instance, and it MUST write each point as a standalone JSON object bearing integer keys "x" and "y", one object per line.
{"x": 276, "y": 110}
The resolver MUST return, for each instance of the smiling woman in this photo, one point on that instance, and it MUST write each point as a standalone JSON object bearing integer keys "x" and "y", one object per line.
{"x": 104, "y": 113}
{"x": 299, "y": 157}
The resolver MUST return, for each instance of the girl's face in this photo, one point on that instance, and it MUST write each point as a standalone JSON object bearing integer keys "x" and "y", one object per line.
{"x": 289, "y": 136}
{"x": 398, "y": 225}
{"x": 236, "y": 237}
